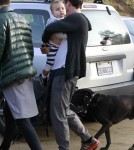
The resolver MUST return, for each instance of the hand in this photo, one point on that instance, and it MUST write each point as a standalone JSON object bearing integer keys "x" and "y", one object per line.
{"x": 43, "y": 82}
{"x": 44, "y": 49}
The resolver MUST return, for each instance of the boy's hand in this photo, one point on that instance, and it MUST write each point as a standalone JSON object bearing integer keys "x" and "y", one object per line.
{"x": 44, "y": 49}
{"x": 43, "y": 82}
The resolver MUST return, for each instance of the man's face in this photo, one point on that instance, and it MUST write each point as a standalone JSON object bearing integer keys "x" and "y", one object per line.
{"x": 67, "y": 6}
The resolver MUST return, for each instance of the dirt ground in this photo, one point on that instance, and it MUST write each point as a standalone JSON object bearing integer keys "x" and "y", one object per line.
{"x": 122, "y": 137}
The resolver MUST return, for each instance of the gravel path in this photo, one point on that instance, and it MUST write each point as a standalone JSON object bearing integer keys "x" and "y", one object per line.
{"x": 122, "y": 137}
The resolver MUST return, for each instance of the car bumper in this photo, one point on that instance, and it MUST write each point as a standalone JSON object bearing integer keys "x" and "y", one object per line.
{"x": 124, "y": 88}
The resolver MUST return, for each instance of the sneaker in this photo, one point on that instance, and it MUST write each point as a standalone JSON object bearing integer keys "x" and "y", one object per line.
{"x": 43, "y": 82}
{"x": 90, "y": 146}
{"x": 132, "y": 147}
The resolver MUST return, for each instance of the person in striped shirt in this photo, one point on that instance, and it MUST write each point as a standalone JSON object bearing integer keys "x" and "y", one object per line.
{"x": 58, "y": 10}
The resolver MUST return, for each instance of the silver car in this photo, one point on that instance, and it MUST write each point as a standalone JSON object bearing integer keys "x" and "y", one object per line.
{"x": 109, "y": 52}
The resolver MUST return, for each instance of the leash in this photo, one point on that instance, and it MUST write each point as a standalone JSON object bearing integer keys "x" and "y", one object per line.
{"x": 82, "y": 109}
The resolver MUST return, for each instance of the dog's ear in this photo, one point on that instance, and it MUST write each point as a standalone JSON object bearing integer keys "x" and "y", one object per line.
{"x": 96, "y": 99}
{"x": 90, "y": 91}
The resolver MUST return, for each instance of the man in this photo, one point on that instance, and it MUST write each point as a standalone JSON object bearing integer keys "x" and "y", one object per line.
{"x": 17, "y": 70}
{"x": 69, "y": 65}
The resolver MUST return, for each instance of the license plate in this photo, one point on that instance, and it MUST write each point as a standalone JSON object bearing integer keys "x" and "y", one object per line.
{"x": 104, "y": 68}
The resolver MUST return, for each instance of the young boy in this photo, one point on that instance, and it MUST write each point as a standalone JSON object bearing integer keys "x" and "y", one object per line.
{"x": 58, "y": 10}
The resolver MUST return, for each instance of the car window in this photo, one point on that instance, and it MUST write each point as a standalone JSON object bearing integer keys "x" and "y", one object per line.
{"x": 37, "y": 20}
{"x": 106, "y": 29}
{"x": 130, "y": 25}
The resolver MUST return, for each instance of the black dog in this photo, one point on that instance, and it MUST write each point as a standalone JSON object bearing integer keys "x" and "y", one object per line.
{"x": 105, "y": 109}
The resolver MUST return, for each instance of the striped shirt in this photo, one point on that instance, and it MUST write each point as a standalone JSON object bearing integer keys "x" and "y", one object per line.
{"x": 51, "y": 56}
{"x": 54, "y": 47}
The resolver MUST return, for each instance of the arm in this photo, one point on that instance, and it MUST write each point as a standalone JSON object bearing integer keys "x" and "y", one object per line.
{"x": 59, "y": 35}
{"x": 44, "y": 48}
{"x": 69, "y": 24}
{"x": 56, "y": 37}
{"x": 2, "y": 39}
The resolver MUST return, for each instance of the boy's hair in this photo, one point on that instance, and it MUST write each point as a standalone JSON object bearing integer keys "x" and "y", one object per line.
{"x": 54, "y": 2}
{"x": 76, "y": 3}
{"x": 4, "y": 2}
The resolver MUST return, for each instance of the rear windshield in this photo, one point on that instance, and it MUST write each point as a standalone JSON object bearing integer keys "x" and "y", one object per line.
{"x": 37, "y": 20}
{"x": 106, "y": 29}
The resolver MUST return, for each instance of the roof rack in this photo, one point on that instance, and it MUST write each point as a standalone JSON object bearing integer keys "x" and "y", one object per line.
{"x": 98, "y": 1}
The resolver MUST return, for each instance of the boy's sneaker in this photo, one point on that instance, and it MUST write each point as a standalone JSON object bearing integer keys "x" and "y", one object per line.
{"x": 90, "y": 146}
{"x": 43, "y": 82}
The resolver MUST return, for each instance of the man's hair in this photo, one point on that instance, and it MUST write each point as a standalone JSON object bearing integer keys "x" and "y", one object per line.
{"x": 54, "y": 2}
{"x": 4, "y": 2}
{"x": 76, "y": 3}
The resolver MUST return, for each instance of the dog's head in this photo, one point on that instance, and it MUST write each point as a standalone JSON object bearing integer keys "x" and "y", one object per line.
{"x": 80, "y": 101}
{"x": 85, "y": 102}
{"x": 81, "y": 97}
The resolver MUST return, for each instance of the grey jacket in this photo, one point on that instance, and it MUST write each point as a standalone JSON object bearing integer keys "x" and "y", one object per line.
{"x": 16, "y": 48}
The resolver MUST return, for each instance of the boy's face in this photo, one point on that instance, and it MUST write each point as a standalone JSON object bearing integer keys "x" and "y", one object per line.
{"x": 58, "y": 10}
